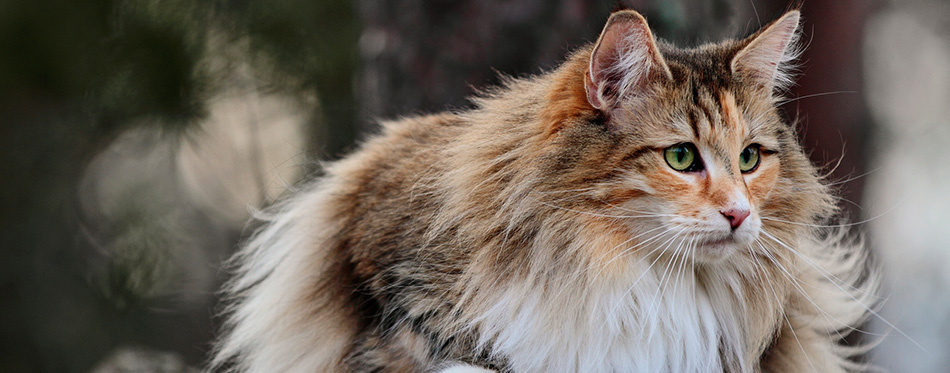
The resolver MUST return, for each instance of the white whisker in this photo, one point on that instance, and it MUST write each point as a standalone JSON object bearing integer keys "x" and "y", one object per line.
{"x": 825, "y": 274}
{"x": 619, "y": 300}
{"x": 602, "y": 215}
{"x": 778, "y": 299}
{"x": 796, "y": 283}
{"x": 783, "y": 102}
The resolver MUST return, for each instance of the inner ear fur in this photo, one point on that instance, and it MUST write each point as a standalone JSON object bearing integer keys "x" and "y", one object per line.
{"x": 768, "y": 54}
{"x": 623, "y": 61}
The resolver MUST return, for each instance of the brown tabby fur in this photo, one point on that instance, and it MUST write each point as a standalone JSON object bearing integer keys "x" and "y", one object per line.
{"x": 393, "y": 260}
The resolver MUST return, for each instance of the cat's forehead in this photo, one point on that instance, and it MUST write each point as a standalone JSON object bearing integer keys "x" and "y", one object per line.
{"x": 706, "y": 66}
{"x": 711, "y": 104}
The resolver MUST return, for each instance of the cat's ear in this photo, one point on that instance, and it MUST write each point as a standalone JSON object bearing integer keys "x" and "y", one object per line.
{"x": 624, "y": 60}
{"x": 768, "y": 54}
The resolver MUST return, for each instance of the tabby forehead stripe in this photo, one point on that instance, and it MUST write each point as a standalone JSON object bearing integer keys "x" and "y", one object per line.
{"x": 702, "y": 101}
{"x": 730, "y": 113}
{"x": 693, "y": 123}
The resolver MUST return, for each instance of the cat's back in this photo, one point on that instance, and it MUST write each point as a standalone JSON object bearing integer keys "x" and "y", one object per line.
{"x": 387, "y": 163}
{"x": 295, "y": 276}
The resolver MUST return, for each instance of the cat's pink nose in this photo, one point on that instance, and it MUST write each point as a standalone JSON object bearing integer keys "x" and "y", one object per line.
{"x": 735, "y": 216}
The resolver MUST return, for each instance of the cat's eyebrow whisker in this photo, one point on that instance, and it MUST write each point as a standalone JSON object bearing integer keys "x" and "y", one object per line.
{"x": 848, "y": 293}
{"x": 842, "y": 225}
{"x": 783, "y": 102}
{"x": 848, "y": 178}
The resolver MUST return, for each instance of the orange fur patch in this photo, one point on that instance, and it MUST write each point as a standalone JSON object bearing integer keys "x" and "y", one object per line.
{"x": 730, "y": 114}
{"x": 764, "y": 181}
{"x": 609, "y": 238}
{"x": 567, "y": 99}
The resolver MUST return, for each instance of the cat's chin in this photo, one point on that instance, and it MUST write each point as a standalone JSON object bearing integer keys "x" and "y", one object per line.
{"x": 718, "y": 249}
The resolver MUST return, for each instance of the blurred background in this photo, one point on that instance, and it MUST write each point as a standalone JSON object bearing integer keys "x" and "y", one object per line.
{"x": 137, "y": 136}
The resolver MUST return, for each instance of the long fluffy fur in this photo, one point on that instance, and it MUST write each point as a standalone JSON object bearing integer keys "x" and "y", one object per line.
{"x": 502, "y": 238}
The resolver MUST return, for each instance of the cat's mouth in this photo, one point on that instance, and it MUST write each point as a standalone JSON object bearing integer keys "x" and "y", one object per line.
{"x": 719, "y": 244}
{"x": 729, "y": 240}
{"x": 717, "y": 249}
{"x": 724, "y": 244}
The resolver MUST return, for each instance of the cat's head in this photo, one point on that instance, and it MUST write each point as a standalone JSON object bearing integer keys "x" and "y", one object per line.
{"x": 697, "y": 146}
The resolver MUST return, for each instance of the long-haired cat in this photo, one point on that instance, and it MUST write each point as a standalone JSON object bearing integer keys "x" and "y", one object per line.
{"x": 639, "y": 208}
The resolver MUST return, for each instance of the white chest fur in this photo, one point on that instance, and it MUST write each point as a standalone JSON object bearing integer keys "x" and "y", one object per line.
{"x": 650, "y": 319}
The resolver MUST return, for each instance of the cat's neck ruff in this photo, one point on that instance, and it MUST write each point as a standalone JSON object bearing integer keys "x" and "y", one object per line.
{"x": 653, "y": 317}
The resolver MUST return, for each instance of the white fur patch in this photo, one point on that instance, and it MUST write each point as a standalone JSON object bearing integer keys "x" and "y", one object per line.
{"x": 650, "y": 317}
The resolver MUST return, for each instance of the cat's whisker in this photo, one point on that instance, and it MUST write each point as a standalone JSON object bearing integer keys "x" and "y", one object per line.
{"x": 637, "y": 211}
{"x": 821, "y": 270}
{"x": 647, "y": 270}
{"x": 665, "y": 281}
{"x": 857, "y": 301}
{"x": 824, "y": 313}
{"x": 568, "y": 198}
{"x": 661, "y": 248}
{"x": 598, "y": 214}
{"x": 628, "y": 249}
{"x": 590, "y": 266}
{"x": 842, "y": 225}
{"x": 832, "y": 279}
{"x": 631, "y": 248}
{"x": 693, "y": 262}
{"x": 587, "y": 189}
{"x": 783, "y": 102}
{"x": 797, "y": 285}
{"x": 778, "y": 299}
{"x": 848, "y": 179}
{"x": 683, "y": 274}
{"x": 661, "y": 287}
{"x": 657, "y": 248}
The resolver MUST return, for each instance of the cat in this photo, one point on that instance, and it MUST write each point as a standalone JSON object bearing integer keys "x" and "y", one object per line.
{"x": 641, "y": 207}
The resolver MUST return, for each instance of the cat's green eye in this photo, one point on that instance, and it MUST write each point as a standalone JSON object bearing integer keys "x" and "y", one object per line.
{"x": 749, "y": 158}
{"x": 683, "y": 157}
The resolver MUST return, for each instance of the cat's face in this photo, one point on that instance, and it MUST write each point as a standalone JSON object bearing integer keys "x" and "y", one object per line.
{"x": 704, "y": 137}
{"x": 710, "y": 168}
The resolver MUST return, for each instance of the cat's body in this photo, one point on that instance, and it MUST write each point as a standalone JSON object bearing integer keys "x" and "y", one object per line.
{"x": 542, "y": 232}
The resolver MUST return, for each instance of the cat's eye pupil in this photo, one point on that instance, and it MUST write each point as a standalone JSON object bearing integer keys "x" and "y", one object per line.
{"x": 683, "y": 157}
{"x": 680, "y": 155}
{"x": 749, "y": 158}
